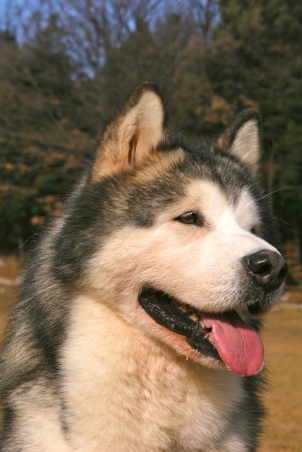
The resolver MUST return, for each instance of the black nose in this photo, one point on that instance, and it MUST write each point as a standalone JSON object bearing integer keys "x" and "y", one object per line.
{"x": 268, "y": 269}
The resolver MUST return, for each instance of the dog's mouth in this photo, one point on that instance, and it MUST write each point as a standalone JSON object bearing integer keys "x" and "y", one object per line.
{"x": 224, "y": 336}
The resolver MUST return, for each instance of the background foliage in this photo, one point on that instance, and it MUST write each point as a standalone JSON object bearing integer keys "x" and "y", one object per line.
{"x": 66, "y": 66}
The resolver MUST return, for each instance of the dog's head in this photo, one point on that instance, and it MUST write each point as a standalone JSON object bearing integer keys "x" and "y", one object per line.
{"x": 182, "y": 243}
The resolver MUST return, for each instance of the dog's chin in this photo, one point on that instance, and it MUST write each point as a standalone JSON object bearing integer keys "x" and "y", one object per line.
{"x": 205, "y": 337}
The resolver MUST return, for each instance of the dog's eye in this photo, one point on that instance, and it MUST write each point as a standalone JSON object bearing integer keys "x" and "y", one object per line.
{"x": 191, "y": 218}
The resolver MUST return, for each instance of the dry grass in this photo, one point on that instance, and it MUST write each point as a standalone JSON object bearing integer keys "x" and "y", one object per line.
{"x": 283, "y": 340}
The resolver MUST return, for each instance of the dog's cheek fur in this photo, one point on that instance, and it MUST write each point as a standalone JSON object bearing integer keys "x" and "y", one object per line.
{"x": 200, "y": 257}
{"x": 148, "y": 382}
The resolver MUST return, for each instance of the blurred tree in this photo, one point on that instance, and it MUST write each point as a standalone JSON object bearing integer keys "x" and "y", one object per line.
{"x": 90, "y": 29}
{"x": 73, "y": 63}
{"x": 133, "y": 61}
{"x": 197, "y": 109}
{"x": 255, "y": 60}
{"x": 41, "y": 145}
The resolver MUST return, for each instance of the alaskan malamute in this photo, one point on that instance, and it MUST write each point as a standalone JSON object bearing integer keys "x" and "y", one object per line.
{"x": 136, "y": 326}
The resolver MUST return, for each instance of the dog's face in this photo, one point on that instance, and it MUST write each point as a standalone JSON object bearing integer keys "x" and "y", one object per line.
{"x": 189, "y": 240}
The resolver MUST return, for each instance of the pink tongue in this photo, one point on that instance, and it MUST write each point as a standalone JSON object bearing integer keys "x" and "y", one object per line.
{"x": 237, "y": 343}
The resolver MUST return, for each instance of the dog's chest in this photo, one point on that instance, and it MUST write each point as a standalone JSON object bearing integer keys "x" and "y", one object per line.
{"x": 117, "y": 394}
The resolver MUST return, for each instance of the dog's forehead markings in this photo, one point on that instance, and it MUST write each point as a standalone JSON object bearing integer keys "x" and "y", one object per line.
{"x": 214, "y": 202}
{"x": 246, "y": 205}
{"x": 208, "y": 196}
{"x": 159, "y": 162}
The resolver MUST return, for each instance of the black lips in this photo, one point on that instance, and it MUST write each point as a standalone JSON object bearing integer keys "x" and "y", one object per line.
{"x": 165, "y": 310}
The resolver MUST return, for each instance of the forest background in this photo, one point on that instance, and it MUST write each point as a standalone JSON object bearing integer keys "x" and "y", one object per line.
{"x": 65, "y": 66}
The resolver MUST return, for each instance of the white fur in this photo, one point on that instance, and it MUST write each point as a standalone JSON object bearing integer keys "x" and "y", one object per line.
{"x": 39, "y": 425}
{"x": 125, "y": 392}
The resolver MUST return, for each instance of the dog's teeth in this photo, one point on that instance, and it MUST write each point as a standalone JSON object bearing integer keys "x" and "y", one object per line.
{"x": 194, "y": 317}
{"x": 209, "y": 336}
{"x": 191, "y": 312}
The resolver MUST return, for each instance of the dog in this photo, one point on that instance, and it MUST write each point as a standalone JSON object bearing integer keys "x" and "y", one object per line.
{"x": 137, "y": 323}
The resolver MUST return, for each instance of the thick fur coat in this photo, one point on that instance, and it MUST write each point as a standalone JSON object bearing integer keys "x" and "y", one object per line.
{"x": 115, "y": 343}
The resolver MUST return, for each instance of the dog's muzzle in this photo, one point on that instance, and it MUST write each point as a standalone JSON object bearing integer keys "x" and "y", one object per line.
{"x": 224, "y": 336}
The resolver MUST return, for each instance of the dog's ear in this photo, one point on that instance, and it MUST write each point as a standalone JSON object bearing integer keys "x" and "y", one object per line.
{"x": 133, "y": 135}
{"x": 242, "y": 138}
